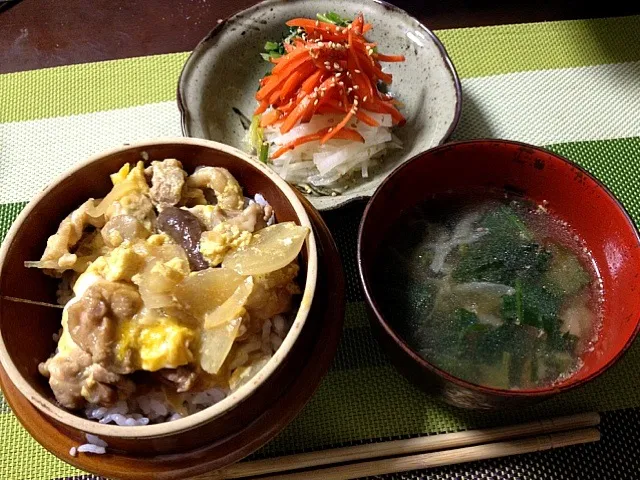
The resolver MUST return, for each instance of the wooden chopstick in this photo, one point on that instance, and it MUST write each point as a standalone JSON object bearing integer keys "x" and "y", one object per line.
{"x": 403, "y": 447}
{"x": 447, "y": 457}
{"x": 31, "y": 302}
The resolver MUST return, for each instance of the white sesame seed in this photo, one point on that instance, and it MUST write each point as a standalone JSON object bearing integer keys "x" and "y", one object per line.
{"x": 365, "y": 98}
{"x": 317, "y": 23}
{"x": 357, "y": 71}
{"x": 349, "y": 90}
{"x": 331, "y": 129}
{"x": 338, "y": 74}
{"x": 336, "y": 65}
{"x": 320, "y": 44}
{"x": 328, "y": 67}
{"x": 341, "y": 84}
{"x": 315, "y": 102}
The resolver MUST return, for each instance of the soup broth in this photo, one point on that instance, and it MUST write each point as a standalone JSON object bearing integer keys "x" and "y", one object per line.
{"x": 490, "y": 288}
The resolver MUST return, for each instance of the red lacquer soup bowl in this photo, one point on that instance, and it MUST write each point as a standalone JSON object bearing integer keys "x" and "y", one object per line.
{"x": 570, "y": 194}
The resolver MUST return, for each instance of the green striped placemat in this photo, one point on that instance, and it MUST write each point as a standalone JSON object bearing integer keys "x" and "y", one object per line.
{"x": 572, "y": 86}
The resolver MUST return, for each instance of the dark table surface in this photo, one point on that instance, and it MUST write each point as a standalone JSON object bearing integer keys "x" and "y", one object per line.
{"x": 47, "y": 33}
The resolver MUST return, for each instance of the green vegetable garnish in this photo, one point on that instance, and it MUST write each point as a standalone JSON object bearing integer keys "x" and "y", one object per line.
{"x": 506, "y": 250}
{"x": 263, "y": 154}
{"x": 334, "y": 18}
{"x": 276, "y": 49}
{"x": 256, "y": 139}
{"x": 271, "y": 46}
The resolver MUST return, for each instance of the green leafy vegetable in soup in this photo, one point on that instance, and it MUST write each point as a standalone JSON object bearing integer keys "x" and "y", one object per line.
{"x": 495, "y": 291}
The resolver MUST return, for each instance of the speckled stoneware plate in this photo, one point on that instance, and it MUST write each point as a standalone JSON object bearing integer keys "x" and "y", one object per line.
{"x": 220, "y": 78}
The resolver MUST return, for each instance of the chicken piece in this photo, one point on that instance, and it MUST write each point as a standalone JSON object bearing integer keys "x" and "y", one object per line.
{"x": 272, "y": 294}
{"x": 93, "y": 322}
{"x": 182, "y": 379}
{"x": 192, "y": 196}
{"x": 251, "y": 219}
{"x": 208, "y": 215}
{"x": 167, "y": 182}
{"x": 75, "y": 379}
{"x": 57, "y": 257}
{"x": 225, "y": 187}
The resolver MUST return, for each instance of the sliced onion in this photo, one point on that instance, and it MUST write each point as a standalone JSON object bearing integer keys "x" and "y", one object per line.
{"x": 242, "y": 375}
{"x": 216, "y": 343}
{"x": 127, "y": 226}
{"x": 270, "y": 249}
{"x": 202, "y": 292}
{"x": 156, "y": 290}
{"x": 41, "y": 264}
{"x": 231, "y": 308}
{"x": 117, "y": 192}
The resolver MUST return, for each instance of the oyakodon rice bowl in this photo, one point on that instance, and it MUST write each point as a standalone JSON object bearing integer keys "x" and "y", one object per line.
{"x": 176, "y": 290}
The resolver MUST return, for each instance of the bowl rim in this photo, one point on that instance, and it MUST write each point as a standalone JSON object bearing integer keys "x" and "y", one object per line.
{"x": 364, "y": 274}
{"x": 51, "y": 409}
{"x": 186, "y": 118}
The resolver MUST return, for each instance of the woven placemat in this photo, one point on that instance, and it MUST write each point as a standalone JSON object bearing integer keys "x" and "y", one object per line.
{"x": 572, "y": 86}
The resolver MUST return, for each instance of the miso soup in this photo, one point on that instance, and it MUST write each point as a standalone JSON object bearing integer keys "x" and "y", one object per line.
{"x": 491, "y": 288}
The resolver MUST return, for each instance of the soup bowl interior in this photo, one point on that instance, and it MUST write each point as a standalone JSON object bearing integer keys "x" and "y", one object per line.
{"x": 27, "y": 329}
{"x": 571, "y": 194}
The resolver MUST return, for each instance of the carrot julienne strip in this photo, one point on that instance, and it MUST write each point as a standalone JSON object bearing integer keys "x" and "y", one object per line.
{"x": 345, "y": 134}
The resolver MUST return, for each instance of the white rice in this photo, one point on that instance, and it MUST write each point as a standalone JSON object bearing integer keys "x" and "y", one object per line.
{"x": 94, "y": 445}
{"x": 90, "y": 448}
{"x": 329, "y": 164}
{"x": 95, "y": 440}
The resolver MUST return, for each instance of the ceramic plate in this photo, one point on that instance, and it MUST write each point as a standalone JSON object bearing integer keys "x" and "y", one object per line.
{"x": 219, "y": 80}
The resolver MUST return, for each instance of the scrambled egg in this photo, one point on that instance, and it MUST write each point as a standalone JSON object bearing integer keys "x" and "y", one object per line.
{"x": 215, "y": 243}
{"x": 173, "y": 270}
{"x": 121, "y": 264}
{"x": 155, "y": 343}
{"x": 135, "y": 176}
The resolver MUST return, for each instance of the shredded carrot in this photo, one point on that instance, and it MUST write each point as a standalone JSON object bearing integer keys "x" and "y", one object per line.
{"x": 269, "y": 118}
{"x": 328, "y": 70}
{"x": 390, "y": 58}
{"x": 334, "y": 131}
{"x": 312, "y": 82}
{"x": 363, "y": 117}
{"x": 344, "y": 134}
{"x": 309, "y": 24}
{"x": 262, "y": 106}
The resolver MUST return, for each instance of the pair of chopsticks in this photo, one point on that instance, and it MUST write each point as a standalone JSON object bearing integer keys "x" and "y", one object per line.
{"x": 420, "y": 453}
